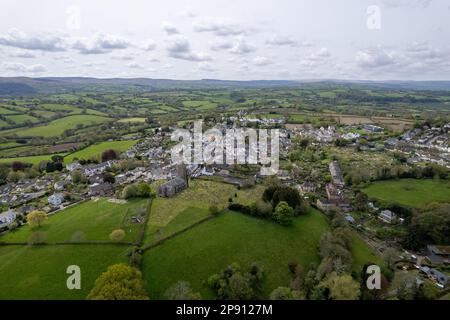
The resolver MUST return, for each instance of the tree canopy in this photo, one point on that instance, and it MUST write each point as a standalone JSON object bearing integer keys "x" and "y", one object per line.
{"x": 119, "y": 282}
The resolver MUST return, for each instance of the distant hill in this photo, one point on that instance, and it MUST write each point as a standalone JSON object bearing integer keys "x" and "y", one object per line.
{"x": 51, "y": 85}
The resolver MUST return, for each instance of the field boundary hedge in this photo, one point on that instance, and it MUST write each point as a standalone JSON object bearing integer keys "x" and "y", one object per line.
{"x": 173, "y": 235}
{"x": 140, "y": 238}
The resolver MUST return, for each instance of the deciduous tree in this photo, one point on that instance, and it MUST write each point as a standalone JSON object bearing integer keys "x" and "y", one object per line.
{"x": 283, "y": 214}
{"x": 119, "y": 282}
{"x": 36, "y": 218}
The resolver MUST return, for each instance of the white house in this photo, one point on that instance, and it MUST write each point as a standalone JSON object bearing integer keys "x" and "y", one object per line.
{"x": 59, "y": 185}
{"x": 56, "y": 199}
{"x": 387, "y": 216}
{"x": 73, "y": 166}
{"x": 7, "y": 217}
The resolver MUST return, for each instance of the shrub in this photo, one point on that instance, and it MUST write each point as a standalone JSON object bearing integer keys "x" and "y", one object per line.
{"x": 282, "y": 293}
{"x": 239, "y": 208}
{"x": 108, "y": 177}
{"x": 263, "y": 209}
{"x": 117, "y": 235}
{"x": 109, "y": 155}
{"x": 136, "y": 257}
{"x": 214, "y": 210}
{"x": 138, "y": 190}
{"x": 292, "y": 266}
{"x": 233, "y": 284}
{"x": 283, "y": 214}
{"x": 182, "y": 291}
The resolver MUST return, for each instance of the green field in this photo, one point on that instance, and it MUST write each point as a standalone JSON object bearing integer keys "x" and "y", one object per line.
{"x": 14, "y": 152}
{"x": 232, "y": 237}
{"x": 132, "y": 120}
{"x": 92, "y": 151}
{"x": 39, "y": 272}
{"x": 95, "y": 219}
{"x": 301, "y": 118}
{"x": 30, "y": 160}
{"x": 65, "y": 108}
{"x": 200, "y": 105}
{"x": 22, "y": 118}
{"x": 57, "y": 127}
{"x": 59, "y": 107}
{"x": 44, "y": 113}
{"x": 192, "y": 205}
{"x": 9, "y": 144}
{"x": 182, "y": 220}
{"x": 362, "y": 254}
{"x": 410, "y": 192}
{"x": 266, "y": 116}
{"x": 6, "y": 111}
{"x": 97, "y": 149}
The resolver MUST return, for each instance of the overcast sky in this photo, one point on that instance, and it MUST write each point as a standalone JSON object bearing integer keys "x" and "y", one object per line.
{"x": 227, "y": 39}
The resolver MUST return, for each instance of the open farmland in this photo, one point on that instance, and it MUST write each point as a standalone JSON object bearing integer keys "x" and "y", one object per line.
{"x": 194, "y": 202}
{"x": 90, "y": 221}
{"x": 29, "y": 160}
{"x": 95, "y": 151}
{"x": 57, "y": 127}
{"x": 410, "y": 192}
{"x": 132, "y": 120}
{"x": 39, "y": 272}
{"x": 233, "y": 237}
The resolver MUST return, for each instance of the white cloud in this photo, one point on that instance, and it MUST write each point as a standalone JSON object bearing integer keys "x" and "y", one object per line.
{"x": 218, "y": 26}
{"x": 187, "y": 13}
{"x": 123, "y": 57}
{"x": 262, "y": 61}
{"x": 100, "y": 43}
{"x": 219, "y": 44}
{"x": 64, "y": 58}
{"x": 278, "y": 40}
{"x": 22, "y": 68}
{"x": 135, "y": 65}
{"x": 169, "y": 28}
{"x": 406, "y": 3}
{"x": 206, "y": 66}
{"x": 316, "y": 59}
{"x": 150, "y": 45}
{"x": 152, "y": 59}
{"x": 43, "y": 42}
{"x": 375, "y": 58}
{"x": 22, "y": 54}
{"x": 179, "y": 48}
{"x": 241, "y": 47}
{"x": 167, "y": 66}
